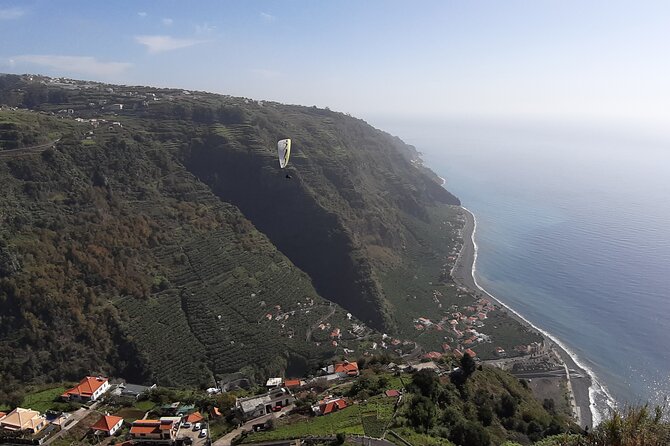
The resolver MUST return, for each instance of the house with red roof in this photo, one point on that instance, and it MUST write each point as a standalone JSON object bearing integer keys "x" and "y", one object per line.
{"x": 347, "y": 368}
{"x": 392, "y": 393}
{"x": 292, "y": 383}
{"x": 163, "y": 430}
{"x": 432, "y": 355}
{"x": 108, "y": 425}
{"x": 195, "y": 417}
{"x": 471, "y": 352}
{"x": 88, "y": 389}
{"x": 328, "y": 405}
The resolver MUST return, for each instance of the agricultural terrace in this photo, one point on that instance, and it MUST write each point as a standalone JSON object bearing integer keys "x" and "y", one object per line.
{"x": 369, "y": 418}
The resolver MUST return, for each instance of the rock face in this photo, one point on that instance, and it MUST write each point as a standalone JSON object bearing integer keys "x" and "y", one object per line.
{"x": 172, "y": 224}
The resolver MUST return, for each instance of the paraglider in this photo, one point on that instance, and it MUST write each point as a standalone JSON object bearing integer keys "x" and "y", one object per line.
{"x": 284, "y": 152}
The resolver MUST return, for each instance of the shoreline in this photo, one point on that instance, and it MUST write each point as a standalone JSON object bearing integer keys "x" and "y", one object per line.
{"x": 463, "y": 273}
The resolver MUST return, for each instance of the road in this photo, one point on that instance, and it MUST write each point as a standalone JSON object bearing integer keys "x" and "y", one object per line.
{"x": 308, "y": 336}
{"x": 227, "y": 439}
{"x": 555, "y": 373}
{"x": 74, "y": 418}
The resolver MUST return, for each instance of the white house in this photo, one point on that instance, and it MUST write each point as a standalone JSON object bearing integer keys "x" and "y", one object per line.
{"x": 88, "y": 389}
{"x": 108, "y": 424}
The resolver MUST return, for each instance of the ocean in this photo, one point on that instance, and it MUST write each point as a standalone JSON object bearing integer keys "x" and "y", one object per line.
{"x": 573, "y": 233}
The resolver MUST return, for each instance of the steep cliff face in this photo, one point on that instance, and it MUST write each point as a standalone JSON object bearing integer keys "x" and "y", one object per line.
{"x": 350, "y": 184}
{"x": 171, "y": 220}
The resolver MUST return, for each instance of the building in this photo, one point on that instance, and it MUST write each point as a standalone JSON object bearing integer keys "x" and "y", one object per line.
{"x": 116, "y": 106}
{"x": 195, "y": 417}
{"x": 328, "y": 405}
{"x": 347, "y": 368}
{"x": 133, "y": 390}
{"x": 163, "y": 430}
{"x": 430, "y": 365}
{"x": 273, "y": 383}
{"x": 23, "y": 420}
{"x": 259, "y": 405}
{"x": 292, "y": 383}
{"x": 88, "y": 389}
{"x": 108, "y": 425}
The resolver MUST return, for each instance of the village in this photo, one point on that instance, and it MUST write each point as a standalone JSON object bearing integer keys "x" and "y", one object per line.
{"x": 121, "y": 413}
{"x": 106, "y": 412}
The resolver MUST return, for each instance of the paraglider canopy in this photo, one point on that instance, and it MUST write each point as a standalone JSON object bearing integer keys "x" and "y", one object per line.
{"x": 284, "y": 151}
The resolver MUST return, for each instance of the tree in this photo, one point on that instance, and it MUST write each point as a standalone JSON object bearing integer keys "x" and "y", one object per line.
{"x": 426, "y": 382}
{"x": 421, "y": 413}
{"x": 467, "y": 433}
{"x": 468, "y": 365}
{"x": 507, "y": 406}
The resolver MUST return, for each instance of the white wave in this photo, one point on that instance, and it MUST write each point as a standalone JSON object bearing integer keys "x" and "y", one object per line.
{"x": 600, "y": 399}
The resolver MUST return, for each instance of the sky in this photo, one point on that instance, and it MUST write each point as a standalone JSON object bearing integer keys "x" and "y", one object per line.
{"x": 533, "y": 59}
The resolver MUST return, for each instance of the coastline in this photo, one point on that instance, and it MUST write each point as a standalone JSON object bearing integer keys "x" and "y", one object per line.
{"x": 580, "y": 386}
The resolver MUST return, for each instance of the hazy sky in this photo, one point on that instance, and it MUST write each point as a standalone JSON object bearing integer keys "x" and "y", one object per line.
{"x": 546, "y": 59}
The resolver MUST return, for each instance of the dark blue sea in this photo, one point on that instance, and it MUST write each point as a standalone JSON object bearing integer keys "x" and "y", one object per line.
{"x": 573, "y": 232}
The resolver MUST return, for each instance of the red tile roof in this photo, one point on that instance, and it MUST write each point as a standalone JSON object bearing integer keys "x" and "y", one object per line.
{"x": 471, "y": 353}
{"x": 334, "y": 405}
{"x": 433, "y": 355}
{"x": 195, "y": 417}
{"x": 392, "y": 393}
{"x": 290, "y": 383}
{"x": 148, "y": 426}
{"x": 350, "y": 368}
{"x": 106, "y": 423}
{"x": 86, "y": 387}
{"x": 2, "y": 414}
{"x": 145, "y": 429}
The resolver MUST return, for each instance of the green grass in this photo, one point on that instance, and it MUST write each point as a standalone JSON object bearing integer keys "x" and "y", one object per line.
{"x": 43, "y": 399}
{"x": 145, "y": 405}
{"x": 218, "y": 429}
{"x": 416, "y": 438}
{"x": 347, "y": 421}
{"x": 369, "y": 418}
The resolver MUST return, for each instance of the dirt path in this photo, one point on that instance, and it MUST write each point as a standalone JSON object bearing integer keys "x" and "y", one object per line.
{"x": 39, "y": 148}
{"x": 308, "y": 335}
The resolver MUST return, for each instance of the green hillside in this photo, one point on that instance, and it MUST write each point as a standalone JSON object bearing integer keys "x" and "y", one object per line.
{"x": 150, "y": 234}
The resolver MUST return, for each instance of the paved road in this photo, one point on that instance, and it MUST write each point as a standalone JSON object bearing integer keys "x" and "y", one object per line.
{"x": 227, "y": 439}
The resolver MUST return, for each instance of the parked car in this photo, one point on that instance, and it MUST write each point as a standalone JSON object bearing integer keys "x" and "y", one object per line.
{"x": 196, "y": 427}
{"x": 203, "y": 433}
{"x": 277, "y": 408}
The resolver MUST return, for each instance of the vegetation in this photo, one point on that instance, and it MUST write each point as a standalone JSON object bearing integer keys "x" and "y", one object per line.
{"x": 153, "y": 242}
{"x": 43, "y": 399}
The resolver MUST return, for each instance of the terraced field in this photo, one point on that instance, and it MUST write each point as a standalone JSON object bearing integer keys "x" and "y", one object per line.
{"x": 370, "y": 418}
{"x": 230, "y": 299}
